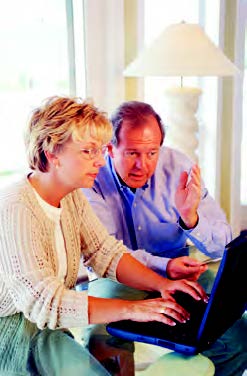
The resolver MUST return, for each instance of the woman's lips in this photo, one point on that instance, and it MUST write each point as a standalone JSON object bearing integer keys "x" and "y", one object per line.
{"x": 93, "y": 176}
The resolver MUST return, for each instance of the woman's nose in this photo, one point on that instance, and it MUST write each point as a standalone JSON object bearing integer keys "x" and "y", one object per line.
{"x": 100, "y": 161}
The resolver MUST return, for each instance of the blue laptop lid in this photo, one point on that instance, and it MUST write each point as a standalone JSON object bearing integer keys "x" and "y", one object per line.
{"x": 228, "y": 298}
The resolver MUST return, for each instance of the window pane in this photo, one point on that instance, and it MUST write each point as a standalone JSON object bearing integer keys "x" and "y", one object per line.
{"x": 244, "y": 135}
{"x": 34, "y": 65}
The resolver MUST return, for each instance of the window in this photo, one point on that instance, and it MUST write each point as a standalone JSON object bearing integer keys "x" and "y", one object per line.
{"x": 243, "y": 149}
{"x": 244, "y": 134}
{"x": 39, "y": 42}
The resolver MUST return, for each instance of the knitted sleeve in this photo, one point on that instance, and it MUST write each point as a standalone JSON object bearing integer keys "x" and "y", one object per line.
{"x": 100, "y": 250}
{"x": 28, "y": 281}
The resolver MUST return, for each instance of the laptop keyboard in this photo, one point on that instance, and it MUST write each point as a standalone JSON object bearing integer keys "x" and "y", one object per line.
{"x": 183, "y": 333}
{"x": 187, "y": 332}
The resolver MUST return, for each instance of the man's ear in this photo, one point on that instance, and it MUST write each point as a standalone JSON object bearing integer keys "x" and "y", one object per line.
{"x": 110, "y": 148}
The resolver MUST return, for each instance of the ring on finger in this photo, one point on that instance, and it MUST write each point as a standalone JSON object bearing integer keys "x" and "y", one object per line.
{"x": 163, "y": 310}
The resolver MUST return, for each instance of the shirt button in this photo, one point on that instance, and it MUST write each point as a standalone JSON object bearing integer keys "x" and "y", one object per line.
{"x": 139, "y": 228}
{"x": 134, "y": 204}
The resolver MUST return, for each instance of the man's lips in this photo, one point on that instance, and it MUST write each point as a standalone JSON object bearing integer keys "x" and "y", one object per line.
{"x": 137, "y": 177}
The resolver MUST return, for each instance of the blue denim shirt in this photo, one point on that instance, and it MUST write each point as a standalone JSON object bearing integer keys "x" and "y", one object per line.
{"x": 148, "y": 219}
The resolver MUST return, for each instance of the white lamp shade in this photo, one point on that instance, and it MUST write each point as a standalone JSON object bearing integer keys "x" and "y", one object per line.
{"x": 181, "y": 50}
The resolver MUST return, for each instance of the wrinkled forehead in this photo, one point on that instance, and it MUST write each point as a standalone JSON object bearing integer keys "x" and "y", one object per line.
{"x": 146, "y": 131}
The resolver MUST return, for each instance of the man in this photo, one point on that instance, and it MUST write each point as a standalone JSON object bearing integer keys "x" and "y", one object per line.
{"x": 152, "y": 197}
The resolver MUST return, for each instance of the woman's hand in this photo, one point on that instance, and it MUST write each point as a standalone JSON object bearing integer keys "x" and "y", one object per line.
{"x": 166, "y": 309}
{"x": 163, "y": 310}
{"x": 167, "y": 288}
{"x": 159, "y": 309}
{"x": 132, "y": 273}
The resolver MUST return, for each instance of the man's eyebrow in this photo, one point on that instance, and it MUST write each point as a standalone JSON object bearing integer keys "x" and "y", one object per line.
{"x": 139, "y": 151}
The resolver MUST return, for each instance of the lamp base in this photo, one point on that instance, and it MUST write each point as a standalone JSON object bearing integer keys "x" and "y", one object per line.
{"x": 181, "y": 108}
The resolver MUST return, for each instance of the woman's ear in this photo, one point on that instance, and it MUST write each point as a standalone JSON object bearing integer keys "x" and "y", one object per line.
{"x": 110, "y": 148}
{"x": 52, "y": 159}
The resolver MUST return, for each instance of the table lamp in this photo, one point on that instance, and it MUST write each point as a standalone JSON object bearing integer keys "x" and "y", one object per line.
{"x": 182, "y": 49}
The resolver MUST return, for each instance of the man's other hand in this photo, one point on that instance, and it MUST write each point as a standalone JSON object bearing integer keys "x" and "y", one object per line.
{"x": 185, "y": 267}
{"x": 188, "y": 196}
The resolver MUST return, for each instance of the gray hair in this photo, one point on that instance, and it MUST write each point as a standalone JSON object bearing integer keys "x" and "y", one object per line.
{"x": 134, "y": 112}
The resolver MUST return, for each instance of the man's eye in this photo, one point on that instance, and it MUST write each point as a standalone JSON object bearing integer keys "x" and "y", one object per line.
{"x": 131, "y": 153}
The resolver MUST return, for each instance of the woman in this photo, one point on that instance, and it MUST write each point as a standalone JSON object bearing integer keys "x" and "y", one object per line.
{"x": 46, "y": 225}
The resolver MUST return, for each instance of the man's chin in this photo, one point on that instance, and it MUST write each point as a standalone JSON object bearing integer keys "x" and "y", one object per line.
{"x": 135, "y": 183}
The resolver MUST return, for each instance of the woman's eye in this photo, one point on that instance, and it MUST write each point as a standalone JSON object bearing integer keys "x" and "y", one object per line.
{"x": 85, "y": 151}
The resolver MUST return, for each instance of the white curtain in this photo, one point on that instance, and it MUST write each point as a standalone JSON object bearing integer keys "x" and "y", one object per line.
{"x": 104, "y": 51}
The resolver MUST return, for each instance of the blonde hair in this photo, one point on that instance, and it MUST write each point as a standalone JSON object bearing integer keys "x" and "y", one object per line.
{"x": 57, "y": 121}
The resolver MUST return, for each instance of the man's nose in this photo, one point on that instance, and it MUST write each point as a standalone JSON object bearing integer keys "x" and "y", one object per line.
{"x": 141, "y": 161}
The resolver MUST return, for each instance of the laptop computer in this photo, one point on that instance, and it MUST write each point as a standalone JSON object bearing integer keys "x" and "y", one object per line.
{"x": 208, "y": 322}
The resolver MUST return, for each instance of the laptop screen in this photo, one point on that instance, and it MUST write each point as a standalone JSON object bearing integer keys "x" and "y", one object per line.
{"x": 229, "y": 294}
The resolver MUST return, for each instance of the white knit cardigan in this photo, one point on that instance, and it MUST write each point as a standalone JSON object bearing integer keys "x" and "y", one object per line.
{"x": 28, "y": 259}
